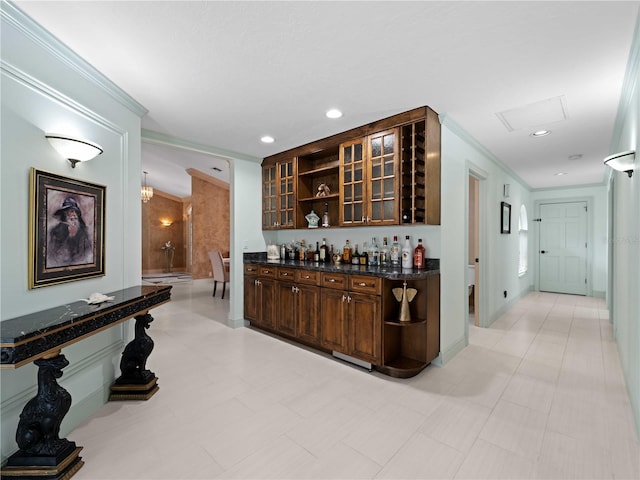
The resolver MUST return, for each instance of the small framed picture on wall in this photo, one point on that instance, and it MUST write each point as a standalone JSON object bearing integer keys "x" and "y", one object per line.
{"x": 505, "y": 217}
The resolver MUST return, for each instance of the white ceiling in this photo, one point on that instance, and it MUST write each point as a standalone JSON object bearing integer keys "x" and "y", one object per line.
{"x": 224, "y": 74}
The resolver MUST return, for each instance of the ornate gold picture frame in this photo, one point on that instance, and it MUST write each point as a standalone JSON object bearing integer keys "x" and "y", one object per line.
{"x": 66, "y": 229}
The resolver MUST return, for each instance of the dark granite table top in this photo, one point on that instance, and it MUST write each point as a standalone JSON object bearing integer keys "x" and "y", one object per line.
{"x": 26, "y": 337}
{"x": 432, "y": 267}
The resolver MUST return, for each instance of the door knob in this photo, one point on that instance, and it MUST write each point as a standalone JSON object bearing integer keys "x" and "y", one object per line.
{"x": 543, "y": 251}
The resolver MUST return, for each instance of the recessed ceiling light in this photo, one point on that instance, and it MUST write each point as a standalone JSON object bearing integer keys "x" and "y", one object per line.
{"x": 334, "y": 113}
{"x": 541, "y": 133}
{"x": 267, "y": 139}
{"x": 559, "y": 174}
{"x": 576, "y": 156}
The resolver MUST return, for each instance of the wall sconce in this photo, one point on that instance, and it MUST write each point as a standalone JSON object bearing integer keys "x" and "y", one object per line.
{"x": 622, "y": 162}
{"x": 74, "y": 149}
{"x": 166, "y": 223}
{"x": 146, "y": 192}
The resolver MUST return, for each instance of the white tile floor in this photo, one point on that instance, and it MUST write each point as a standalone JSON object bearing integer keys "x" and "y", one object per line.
{"x": 540, "y": 394}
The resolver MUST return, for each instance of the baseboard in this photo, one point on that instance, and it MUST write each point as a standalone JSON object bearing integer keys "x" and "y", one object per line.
{"x": 237, "y": 322}
{"x": 449, "y": 353}
{"x": 599, "y": 294}
{"x": 502, "y": 310}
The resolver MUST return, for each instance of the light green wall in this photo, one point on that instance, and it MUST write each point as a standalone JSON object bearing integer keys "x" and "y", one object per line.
{"x": 624, "y": 240}
{"x": 462, "y": 155}
{"x": 47, "y": 88}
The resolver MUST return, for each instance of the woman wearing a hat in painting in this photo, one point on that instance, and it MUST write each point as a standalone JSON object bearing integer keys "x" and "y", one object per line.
{"x": 69, "y": 242}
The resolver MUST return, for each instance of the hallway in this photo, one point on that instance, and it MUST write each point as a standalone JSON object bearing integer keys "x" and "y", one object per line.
{"x": 540, "y": 394}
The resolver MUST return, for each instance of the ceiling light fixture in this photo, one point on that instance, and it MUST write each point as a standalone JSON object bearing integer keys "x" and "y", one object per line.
{"x": 146, "y": 192}
{"x": 333, "y": 113}
{"x": 560, "y": 174}
{"x": 267, "y": 139}
{"x": 74, "y": 149}
{"x": 576, "y": 156}
{"x": 541, "y": 133}
{"x": 622, "y": 162}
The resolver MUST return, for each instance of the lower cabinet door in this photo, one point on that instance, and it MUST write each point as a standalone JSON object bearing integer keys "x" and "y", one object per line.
{"x": 250, "y": 298}
{"x": 308, "y": 313}
{"x": 286, "y": 319}
{"x": 267, "y": 310}
{"x": 333, "y": 320}
{"x": 364, "y": 327}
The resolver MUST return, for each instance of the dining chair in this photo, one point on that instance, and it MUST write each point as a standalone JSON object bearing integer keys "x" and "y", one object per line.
{"x": 220, "y": 274}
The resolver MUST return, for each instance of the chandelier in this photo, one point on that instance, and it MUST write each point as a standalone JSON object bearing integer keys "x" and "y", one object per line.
{"x": 146, "y": 192}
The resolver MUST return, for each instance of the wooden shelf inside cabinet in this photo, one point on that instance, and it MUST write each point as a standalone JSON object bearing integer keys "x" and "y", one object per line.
{"x": 325, "y": 170}
{"x": 320, "y": 199}
{"x": 413, "y": 321}
{"x": 403, "y": 367}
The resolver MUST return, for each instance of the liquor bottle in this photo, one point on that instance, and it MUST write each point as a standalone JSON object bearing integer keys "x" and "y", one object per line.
{"x": 407, "y": 254}
{"x": 385, "y": 259}
{"x": 325, "y": 215}
{"x": 374, "y": 253}
{"x": 355, "y": 258}
{"x": 418, "y": 255}
{"x": 364, "y": 256}
{"x": 302, "y": 251}
{"x": 347, "y": 253}
{"x": 324, "y": 251}
{"x": 394, "y": 253}
{"x": 316, "y": 254}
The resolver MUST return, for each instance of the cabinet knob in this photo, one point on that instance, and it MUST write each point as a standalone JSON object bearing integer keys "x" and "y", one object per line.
{"x": 285, "y": 274}
{"x": 332, "y": 280}
{"x": 307, "y": 276}
{"x": 293, "y": 289}
{"x": 349, "y": 299}
{"x": 344, "y": 298}
{"x": 362, "y": 284}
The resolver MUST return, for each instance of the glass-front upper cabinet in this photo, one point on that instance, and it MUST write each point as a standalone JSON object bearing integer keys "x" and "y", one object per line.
{"x": 369, "y": 180}
{"x": 278, "y": 195}
{"x": 269, "y": 198}
{"x": 352, "y": 183}
{"x": 286, "y": 195}
{"x": 383, "y": 174}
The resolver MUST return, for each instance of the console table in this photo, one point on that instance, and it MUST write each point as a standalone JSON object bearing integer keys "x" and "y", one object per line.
{"x": 39, "y": 338}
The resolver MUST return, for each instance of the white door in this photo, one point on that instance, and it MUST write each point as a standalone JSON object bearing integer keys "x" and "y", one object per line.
{"x": 563, "y": 248}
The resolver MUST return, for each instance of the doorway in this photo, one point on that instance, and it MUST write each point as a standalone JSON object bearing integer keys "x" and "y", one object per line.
{"x": 562, "y": 257}
{"x": 473, "y": 270}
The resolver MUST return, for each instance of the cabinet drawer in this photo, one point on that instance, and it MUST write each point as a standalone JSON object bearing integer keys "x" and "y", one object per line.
{"x": 334, "y": 280}
{"x": 286, "y": 274}
{"x": 251, "y": 269}
{"x": 307, "y": 276}
{"x": 267, "y": 271}
{"x": 365, "y": 284}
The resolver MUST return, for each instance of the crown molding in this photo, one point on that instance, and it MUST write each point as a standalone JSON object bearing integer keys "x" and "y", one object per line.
{"x": 452, "y": 125}
{"x": 208, "y": 178}
{"x": 629, "y": 86}
{"x": 157, "y": 138}
{"x": 15, "y": 17}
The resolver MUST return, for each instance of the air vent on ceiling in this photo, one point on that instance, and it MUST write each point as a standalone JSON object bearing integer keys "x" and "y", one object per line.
{"x": 542, "y": 113}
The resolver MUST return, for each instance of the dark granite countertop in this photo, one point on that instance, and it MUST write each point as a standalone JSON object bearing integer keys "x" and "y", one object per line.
{"x": 393, "y": 273}
{"x": 28, "y": 335}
